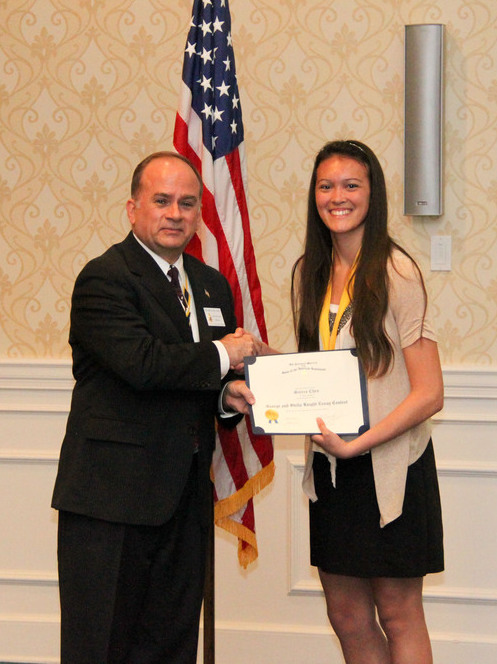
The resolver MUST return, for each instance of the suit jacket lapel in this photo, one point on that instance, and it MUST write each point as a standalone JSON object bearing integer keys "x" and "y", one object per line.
{"x": 155, "y": 281}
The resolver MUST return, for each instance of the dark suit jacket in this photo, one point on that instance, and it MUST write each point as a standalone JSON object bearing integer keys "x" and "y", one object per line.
{"x": 145, "y": 393}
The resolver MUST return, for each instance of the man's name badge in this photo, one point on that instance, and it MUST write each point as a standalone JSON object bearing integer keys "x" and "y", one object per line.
{"x": 214, "y": 317}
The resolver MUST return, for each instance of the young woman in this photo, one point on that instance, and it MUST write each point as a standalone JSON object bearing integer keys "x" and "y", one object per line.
{"x": 375, "y": 516}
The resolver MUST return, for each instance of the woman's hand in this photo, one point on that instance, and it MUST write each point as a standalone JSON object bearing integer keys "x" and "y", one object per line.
{"x": 332, "y": 443}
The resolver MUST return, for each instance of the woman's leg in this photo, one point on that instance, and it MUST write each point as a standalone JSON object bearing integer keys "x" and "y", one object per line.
{"x": 400, "y": 610}
{"x": 351, "y": 611}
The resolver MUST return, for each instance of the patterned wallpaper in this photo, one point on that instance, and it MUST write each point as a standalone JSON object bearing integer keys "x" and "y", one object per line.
{"x": 88, "y": 88}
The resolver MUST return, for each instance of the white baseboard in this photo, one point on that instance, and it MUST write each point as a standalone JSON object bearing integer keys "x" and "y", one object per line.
{"x": 295, "y": 644}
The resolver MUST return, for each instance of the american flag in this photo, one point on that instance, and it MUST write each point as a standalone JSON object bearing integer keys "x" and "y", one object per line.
{"x": 209, "y": 131}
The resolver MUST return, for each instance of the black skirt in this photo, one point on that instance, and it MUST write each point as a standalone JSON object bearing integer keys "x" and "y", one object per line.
{"x": 345, "y": 532}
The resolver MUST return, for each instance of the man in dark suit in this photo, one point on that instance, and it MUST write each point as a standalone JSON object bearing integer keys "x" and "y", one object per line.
{"x": 152, "y": 352}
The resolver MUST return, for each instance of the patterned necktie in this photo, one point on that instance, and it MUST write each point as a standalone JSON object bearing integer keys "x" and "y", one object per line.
{"x": 183, "y": 294}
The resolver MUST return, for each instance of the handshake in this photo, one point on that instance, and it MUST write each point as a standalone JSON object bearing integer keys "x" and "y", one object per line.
{"x": 241, "y": 344}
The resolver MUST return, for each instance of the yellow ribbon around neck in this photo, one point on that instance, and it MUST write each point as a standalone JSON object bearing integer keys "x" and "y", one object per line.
{"x": 329, "y": 337}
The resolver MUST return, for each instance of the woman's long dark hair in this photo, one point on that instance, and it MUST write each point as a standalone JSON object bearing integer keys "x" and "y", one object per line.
{"x": 311, "y": 272}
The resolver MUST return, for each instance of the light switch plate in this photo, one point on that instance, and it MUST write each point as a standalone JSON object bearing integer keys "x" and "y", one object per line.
{"x": 441, "y": 253}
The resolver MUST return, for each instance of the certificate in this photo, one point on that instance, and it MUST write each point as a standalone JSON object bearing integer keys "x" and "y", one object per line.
{"x": 293, "y": 389}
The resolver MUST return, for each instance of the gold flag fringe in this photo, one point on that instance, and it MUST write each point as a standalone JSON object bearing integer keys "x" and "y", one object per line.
{"x": 223, "y": 510}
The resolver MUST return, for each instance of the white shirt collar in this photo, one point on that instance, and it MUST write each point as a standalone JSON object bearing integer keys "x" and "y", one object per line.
{"x": 162, "y": 263}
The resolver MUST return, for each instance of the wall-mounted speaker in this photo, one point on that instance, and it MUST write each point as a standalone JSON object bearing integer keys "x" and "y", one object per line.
{"x": 423, "y": 108}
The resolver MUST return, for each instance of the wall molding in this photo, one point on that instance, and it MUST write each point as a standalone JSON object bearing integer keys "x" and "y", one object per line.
{"x": 44, "y": 387}
{"x": 35, "y": 387}
{"x": 325, "y": 630}
{"x": 28, "y": 456}
{"x": 249, "y": 642}
{"x": 28, "y": 578}
{"x": 467, "y": 469}
{"x": 470, "y": 396}
{"x": 33, "y": 374}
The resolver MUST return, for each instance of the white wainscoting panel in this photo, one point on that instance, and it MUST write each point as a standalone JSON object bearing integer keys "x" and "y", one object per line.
{"x": 34, "y": 403}
{"x": 273, "y": 612}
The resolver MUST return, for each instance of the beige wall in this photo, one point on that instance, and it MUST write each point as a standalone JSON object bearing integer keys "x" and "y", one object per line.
{"x": 88, "y": 88}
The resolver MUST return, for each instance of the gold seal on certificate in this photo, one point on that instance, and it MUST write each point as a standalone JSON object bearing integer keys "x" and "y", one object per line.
{"x": 293, "y": 389}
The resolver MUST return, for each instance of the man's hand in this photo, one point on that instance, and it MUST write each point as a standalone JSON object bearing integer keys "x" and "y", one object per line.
{"x": 237, "y": 397}
{"x": 242, "y": 344}
{"x": 239, "y": 345}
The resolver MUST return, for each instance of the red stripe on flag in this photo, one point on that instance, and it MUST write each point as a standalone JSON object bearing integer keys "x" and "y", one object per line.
{"x": 233, "y": 161}
{"x": 233, "y": 456}
{"x": 260, "y": 445}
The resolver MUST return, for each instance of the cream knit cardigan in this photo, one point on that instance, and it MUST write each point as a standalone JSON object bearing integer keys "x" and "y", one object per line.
{"x": 405, "y": 323}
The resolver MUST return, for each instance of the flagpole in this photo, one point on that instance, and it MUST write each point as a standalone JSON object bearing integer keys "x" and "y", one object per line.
{"x": 209, "y": 594}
